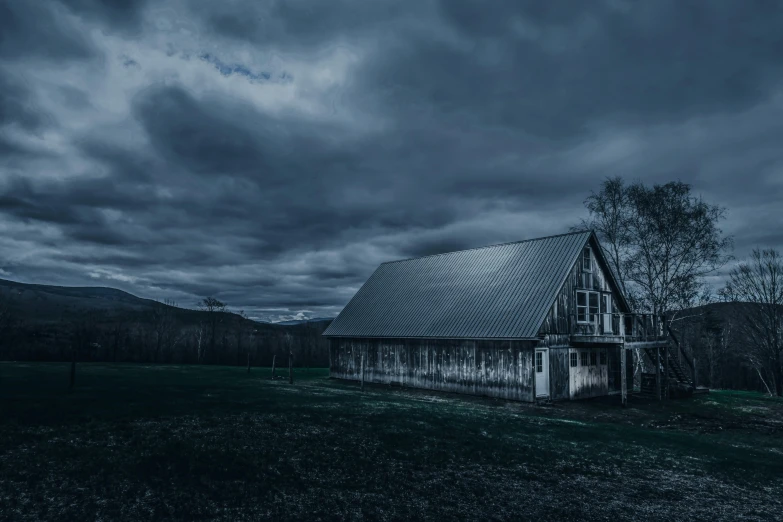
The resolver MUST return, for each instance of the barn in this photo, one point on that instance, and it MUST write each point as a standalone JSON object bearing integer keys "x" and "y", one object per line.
{"x": 530, "y": 320}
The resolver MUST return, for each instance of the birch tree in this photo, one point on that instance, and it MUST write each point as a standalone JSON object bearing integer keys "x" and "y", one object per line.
{"x": 757, "y": 286}
{"x": 214, "y": 310}
{"x": 661, "y": 241}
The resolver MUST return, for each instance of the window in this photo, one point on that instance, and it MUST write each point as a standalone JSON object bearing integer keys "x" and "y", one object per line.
{"x": 573, "y": 359}
{"x": 587, "y": 262}
{"x": 581, "y": 307}
{"x": 584, "y": 359}
{"x": 593, "y": 358}
{"x": 603, "y": 358}
{"x": 587, "y": 306}
{"x": 539, "y": 362}
{"x": 594, "y": 300}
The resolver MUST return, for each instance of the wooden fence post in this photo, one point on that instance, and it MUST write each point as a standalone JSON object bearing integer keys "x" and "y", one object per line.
{"x": 290, "y": 367}
{"x": 361, "y": 371}
{"x": 274, "y": 357}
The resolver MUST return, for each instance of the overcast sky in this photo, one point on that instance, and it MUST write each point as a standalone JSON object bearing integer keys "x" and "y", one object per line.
{"x": 272, "y": 154}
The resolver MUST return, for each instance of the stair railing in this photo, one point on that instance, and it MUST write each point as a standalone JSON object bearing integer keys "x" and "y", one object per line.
{"x": 684, "y": 356}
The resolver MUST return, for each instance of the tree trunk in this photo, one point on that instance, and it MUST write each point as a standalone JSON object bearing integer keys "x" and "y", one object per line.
{"x": 157, "y": 348}
{"x": 658, "y": 372}
{"x": 248, "y": 361}
{"x": 274, "y": 358}
{"x": 667, "y": 354}
{"x": 290, "y": 368}
{"x": 623, "y": 375}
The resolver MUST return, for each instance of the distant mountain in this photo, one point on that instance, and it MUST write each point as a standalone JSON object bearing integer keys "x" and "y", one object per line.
{"x": 48, "y": 302}
{"x": 303, "y": 321}
{"x": 37, "y": 304}
{"x": 57, "y": 323}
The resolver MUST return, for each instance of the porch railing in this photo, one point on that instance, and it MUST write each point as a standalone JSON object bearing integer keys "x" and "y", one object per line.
{"x": 598, "y": 324}
{"x": 633, "y": 327}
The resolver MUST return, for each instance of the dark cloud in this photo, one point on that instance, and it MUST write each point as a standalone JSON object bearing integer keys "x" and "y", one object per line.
{"x": 274, "y": 153}
{"x": 550, "y": 71}
{"x": 39, "y": 29}
{"x": 210, "y": 138}
{"x": 17, "y": 105}
{"x": 303, "y": 24}
{"x": 124, "y": 16}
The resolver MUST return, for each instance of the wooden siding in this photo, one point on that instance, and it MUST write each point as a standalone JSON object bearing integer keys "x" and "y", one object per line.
{"x": 501, "y": 369}
{"x": 561, "y": 317}
{"x": 591, "y": 380}
{"x": 559, "y": 375}
{"x": 614, "y": 381}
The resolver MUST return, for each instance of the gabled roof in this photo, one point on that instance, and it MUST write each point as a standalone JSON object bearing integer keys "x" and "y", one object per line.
{"x": 494, "y": 292}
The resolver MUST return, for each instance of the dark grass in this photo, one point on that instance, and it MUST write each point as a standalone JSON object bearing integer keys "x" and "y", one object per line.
{"x": 137, "y": 442}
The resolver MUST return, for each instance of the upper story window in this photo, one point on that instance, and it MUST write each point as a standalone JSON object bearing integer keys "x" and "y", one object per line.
{"x": 587, "y": 303}
{"x": 587, "y": 260}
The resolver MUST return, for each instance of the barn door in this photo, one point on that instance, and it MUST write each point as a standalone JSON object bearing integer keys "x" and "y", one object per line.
{"x": 542, "y": 373}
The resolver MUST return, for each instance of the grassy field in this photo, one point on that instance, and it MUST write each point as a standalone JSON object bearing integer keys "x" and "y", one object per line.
{"x": 138, "y": 442}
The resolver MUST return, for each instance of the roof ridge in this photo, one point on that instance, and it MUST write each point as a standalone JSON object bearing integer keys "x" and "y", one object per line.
{"x": 587, "y": 231}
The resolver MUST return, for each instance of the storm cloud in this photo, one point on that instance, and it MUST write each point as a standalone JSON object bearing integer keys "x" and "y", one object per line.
{"x": 272, "y": 154}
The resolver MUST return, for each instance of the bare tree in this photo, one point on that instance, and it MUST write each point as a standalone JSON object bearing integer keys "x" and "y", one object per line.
{"x": 164, "y": 328}
{"x": 661, "y": 241}
{"x": 757, "y": 285}
{"x": 289, "y": 344}
{"x": 214, "y": 309}
{"x": 675, "y": 242}
{"x": 200, "y": 340}
{"x": 119, "y": 333}
{"x": 608, "y": 214}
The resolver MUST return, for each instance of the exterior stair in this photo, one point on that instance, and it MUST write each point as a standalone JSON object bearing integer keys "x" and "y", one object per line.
{"x": 678, "y": 379}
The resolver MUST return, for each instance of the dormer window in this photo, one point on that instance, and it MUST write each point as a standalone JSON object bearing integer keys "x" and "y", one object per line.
{"x": 587, "y": 260}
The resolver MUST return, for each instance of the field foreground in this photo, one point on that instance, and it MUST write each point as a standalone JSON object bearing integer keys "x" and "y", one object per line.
{"x": 136, "y": 442}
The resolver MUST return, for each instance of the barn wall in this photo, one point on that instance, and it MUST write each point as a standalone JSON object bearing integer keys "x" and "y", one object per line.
{"x": 501, "y": 369}
{"x": 559, "y": 375}
{"x": 589, "y": 381}
{"x": 561, "y": 317}
{"x": 614, "y": 382}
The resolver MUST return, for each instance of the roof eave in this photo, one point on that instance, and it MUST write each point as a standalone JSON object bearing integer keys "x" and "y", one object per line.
{"x": 355, "y": 336}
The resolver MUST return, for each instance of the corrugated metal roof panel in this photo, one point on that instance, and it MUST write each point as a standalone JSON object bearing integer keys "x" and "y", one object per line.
{"x": 495, "y": 292}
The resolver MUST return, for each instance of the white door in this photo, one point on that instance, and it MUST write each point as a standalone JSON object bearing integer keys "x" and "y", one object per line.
{"x": 542, "y": 373}
{"x": 607, "y": 313}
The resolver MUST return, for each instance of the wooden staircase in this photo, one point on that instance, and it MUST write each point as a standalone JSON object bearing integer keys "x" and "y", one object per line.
{"x": 675, "y": 370}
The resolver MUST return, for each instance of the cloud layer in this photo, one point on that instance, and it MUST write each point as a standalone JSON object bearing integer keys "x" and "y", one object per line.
{"x": 272, "y": 154}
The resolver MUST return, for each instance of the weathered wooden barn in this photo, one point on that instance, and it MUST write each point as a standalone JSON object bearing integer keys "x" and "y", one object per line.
{"x": 529, "y": 320}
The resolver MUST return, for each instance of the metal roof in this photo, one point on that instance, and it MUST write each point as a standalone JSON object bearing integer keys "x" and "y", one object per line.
{"x": 494, "y": 292}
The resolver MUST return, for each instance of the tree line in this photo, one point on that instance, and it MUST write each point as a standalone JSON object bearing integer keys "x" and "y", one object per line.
{"x": 163, "y": 334}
